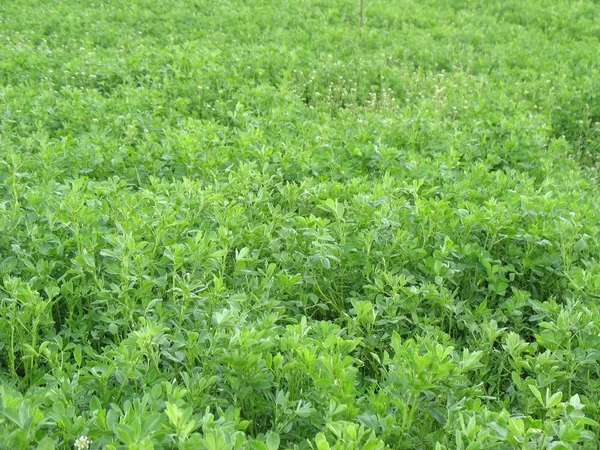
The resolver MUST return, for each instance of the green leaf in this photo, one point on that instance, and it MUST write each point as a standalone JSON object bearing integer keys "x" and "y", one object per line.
{"x": 46, "y": 444}
{"x": 272, "y": 441}
{"x": 78, "y": 355}
{"x": 537, "y": 394}
{"x": 151, "y": 422}
{"x": 553, "y": 400}
{"x": 438, "y": 415}
{"x": 95, "y": 404}
{"x": 303, "y": 410}
{"x": 470, "y": 360}
{"x": 321, "y": 442}
{"x": 124, "y": 433}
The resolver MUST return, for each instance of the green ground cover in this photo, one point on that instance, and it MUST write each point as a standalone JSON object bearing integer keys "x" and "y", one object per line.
{"x": 254, "y": 225}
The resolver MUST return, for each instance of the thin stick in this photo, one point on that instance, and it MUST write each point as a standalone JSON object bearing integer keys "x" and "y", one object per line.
{"x": 362, "y": 8}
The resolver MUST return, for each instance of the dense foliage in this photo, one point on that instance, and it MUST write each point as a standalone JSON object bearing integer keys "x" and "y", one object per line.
{"x": 254, "y": 225}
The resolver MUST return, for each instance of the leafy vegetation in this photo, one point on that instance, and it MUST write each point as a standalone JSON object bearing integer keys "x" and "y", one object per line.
{"x": 256, "y": 225}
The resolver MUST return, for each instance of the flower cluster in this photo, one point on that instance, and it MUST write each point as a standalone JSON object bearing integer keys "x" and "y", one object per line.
{"x": 82, "y": 443}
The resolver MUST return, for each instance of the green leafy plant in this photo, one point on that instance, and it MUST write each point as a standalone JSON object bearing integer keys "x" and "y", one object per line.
{"x": 255, "y": 225}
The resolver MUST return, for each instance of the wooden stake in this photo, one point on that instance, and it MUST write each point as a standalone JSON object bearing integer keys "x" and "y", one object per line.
{"x": 362, "y": 9}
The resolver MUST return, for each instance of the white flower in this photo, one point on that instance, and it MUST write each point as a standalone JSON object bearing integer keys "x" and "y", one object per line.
{"x": 82, "y": 443}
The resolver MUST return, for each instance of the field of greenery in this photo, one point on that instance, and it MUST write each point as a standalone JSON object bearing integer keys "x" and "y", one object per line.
{"x": 255, "y": 225}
